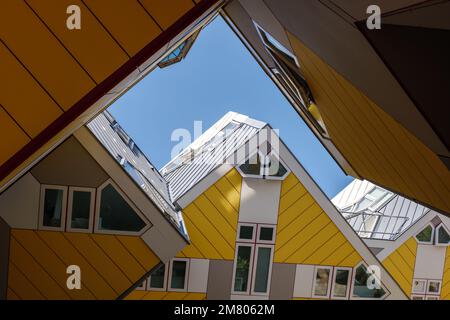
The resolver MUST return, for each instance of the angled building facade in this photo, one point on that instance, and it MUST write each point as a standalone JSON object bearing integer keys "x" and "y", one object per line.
{"x": 358, "y": 89}
{"x": 412, "y": 241}
{"x": 260, "y": 228}
{"x": 94, "y": 204}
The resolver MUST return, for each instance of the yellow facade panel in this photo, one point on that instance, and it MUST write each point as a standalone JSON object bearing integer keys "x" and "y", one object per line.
{"x": 199, "y": 242}
{"x": 92, "y": 46}
{"x": 23, "y": 98}
{"x": 99, "y": 259}
{"x": 91, "y": 278}
{"x": 16, "y": 137}
{"x": 445, "y": 291}
{"x": 125, "y": 18}
{"x": 375, "y": 145}
{"x": 140, "y": 251}
{"x": 296, "y": 224}
{"x": 21, "y": 286}
{"x": 49, "y": 261}
{"x": 288, "y": 183}
{"x": 11, "y": 295}
{"x": 42, "y": 54}
{"x": 326, "y": 250}
{"x": 400, "y": 264}
{"x": 292, "y": 213}
{"x": 291, "y": 196}
{"x": 298, "y": 239}
{"x": 229, "y": 191}
{"x": 38, "y": 276}
{"x": 166, "y": 12}
{"x": 212, "y": 219}
{"x": 120, "y": 256}
{"x": 235, "y": 179}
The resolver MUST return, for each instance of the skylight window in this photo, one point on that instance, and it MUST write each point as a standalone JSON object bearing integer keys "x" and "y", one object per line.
{"x": 180, "y": 52}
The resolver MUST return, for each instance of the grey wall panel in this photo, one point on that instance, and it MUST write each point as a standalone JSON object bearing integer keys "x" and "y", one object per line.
{"x": 219, "y": 279}
{"x": 282, "y": 283}
{"x": 70, "y": 164}
{"x": 4, "y": 257}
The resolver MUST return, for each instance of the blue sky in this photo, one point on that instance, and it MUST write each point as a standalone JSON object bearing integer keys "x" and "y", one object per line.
{"x": 218, "y": 75}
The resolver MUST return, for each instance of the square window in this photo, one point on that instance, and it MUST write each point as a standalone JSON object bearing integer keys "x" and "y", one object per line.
{"x": 417, "y": 298}
{"x": 246, "y": 232}
{"x": 266, "y": 234}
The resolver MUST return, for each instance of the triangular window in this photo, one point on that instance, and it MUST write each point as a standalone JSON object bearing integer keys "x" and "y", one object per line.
{"x": 442, "y": 235}
{"x": 426, "y": 235}
{"x": 365, "y": 285}
{"x": 116, "y": 213}
{"x": 179, "y": 52}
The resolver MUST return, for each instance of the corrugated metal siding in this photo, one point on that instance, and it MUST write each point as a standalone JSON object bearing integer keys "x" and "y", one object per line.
{"x": 154, "y": 184}
{"x": 187, "y": 175}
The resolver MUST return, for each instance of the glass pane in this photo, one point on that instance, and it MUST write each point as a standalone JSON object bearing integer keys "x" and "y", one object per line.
{"x": 157, "y": 277}
{"x": 252, "y": 166}
{"x": 53, "y": 207}
{"x": 81, "y": 209}
{"x": 266, "y": 234}
{"x": 341, "y": 283}
{"x": 116, "y": 213}
{"x": 434, "y": 287}
{"x": 246, "y": 232}
{"x": 425, "y": 234}
{"x": 262, "y": 269}
{"x": 178, "y": 274}
{"x": 275, "y": 167}
{"x": 443, "y": 236}
{"x": 242, "y": 269}
{"x": 360, "y": 285}
{"x": 321, "y": 282}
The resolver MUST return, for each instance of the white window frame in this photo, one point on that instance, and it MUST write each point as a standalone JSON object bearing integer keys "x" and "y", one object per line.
{"x": 252, "y": 240}
{"x": 424, "y": 281}
{"x": 258, "y": 233}
{"x": 333, "y": 282}
{"x": 432, "y": 234}
{"x": 254, "y": 267}
{"x": 250, "y": 269}
{"x": 432, "y": 298}
{"x": 63, "y": 208}
{"x": 165, "y": 280}
{"x": 422, "y": 297}
{"x": 130, "y": 203}
{"x": 330, "y": 278}
{"x": 436, "y": 235}
{"x": 91, "y": 209}
{"x": 186, "y": 278}
{"x": 353, "y": 297}
{"x": 428, "y": 287}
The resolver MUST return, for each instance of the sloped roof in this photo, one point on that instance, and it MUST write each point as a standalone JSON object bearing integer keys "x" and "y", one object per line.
{"x": 208, "y": 152}
{"x": 122, "y": 147}
{"x": 376, "y": 213}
